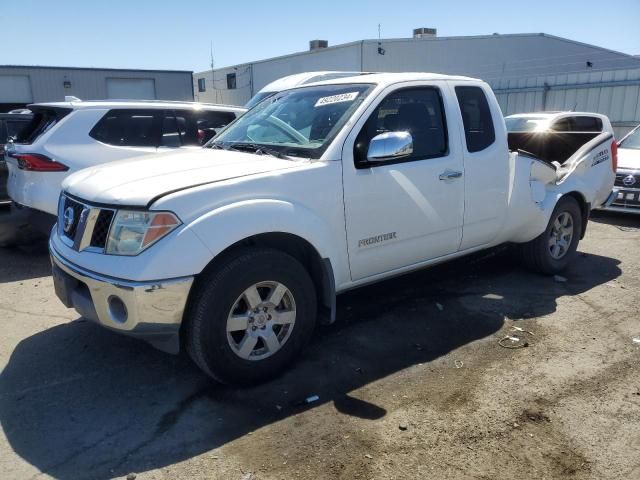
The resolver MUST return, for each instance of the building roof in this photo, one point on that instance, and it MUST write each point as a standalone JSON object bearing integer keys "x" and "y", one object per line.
{"x": 25, "y": 67}
{"x": 431, "y": 40}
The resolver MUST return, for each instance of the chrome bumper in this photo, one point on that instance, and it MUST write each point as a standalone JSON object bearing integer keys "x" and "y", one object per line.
{"x": 151, "y": 310}
{"x": 616, "y": 204}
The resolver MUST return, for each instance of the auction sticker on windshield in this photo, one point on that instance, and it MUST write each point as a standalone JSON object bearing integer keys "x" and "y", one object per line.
{"x": 343, "y": 97}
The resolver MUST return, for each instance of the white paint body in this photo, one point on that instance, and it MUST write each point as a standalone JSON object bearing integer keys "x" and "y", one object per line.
{"x": 223, "y": 197}
{"x": 69, "y": 143}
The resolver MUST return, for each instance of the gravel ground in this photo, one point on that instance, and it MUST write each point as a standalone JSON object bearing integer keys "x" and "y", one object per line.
{"x": 411, "y": 381}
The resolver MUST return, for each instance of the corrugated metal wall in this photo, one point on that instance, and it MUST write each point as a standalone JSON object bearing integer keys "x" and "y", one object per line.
{"x": 518, "y": 66}
{"x": 615, "y": 93}
{"x": 53, "y": 84}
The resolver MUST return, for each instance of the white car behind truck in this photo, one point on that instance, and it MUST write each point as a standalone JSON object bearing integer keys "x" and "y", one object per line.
{"x": 64, "y": 137}
{"x": 627, "y": 184}
{"x": 235, "y": 250}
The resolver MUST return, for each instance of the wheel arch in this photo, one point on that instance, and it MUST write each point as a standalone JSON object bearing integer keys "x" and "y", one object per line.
{"x": 585, "y": 209}
{"x": 320, "y": 269}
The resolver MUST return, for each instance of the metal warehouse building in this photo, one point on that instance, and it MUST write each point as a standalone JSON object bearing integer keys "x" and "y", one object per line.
{"x": 20, "y": 85}
{"x": 528, "y": 72}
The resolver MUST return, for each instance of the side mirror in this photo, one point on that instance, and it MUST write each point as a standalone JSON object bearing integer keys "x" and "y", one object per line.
{"x": 390, "y": 146}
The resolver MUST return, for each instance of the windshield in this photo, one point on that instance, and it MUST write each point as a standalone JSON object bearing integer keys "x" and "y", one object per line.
{"x": 526, "y": 124}
{"x": 301, "y": 122}
{"x": 631, "y": 141}
{"x": 257, "y": 98}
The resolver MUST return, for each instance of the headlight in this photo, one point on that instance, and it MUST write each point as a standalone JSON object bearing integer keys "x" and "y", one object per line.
{"x": 132, "y": 231}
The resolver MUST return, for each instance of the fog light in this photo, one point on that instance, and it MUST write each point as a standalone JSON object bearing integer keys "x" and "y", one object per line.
{"x": 117, "y": 309}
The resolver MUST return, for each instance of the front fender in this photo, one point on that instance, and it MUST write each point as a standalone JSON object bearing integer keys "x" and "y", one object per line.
{"x": 227, "y": 225}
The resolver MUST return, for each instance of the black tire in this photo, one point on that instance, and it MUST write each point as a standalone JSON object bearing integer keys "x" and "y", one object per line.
{"x": 216, "y": 292}
{"x": 536, "y": 254}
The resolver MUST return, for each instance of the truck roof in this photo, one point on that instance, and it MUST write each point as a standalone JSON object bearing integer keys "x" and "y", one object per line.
{"x": 551, "y": 115}
{"x": 147, "y": 104}
{"x": 390, "y": 78}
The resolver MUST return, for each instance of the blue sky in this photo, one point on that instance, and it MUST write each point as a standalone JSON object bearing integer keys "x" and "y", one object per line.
{"x": 177, "y": 34}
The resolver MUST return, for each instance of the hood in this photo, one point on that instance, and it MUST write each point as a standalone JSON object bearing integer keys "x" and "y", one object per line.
{"x": 629, "y": 158}
{"x": 139, "y": 181}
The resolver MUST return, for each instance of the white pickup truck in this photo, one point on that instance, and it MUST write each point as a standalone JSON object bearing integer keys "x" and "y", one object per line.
{"x": 235, "y": 250}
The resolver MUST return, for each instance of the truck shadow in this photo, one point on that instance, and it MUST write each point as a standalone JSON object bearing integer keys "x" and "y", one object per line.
{"x": 618, "y": 219}
{"x": 24, "y": 263}
{"x": 77, "y": 401}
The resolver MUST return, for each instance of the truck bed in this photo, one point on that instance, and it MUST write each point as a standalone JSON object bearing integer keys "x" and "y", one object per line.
{"x": 550, "y": 146}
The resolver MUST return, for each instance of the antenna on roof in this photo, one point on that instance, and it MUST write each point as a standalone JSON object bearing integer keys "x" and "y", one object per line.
{"x": 71, "y": 98}
{"x": 381, "y": 50}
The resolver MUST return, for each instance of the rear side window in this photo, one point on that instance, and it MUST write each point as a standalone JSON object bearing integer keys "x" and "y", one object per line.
{"x": 578, "y": 124}
{"x": 199, "y": 126}
{"x": 126, "y": 128}
{"x": 43, "y": 120}
{"x": 15, "y": 127}
{"x": 476, "y": 117}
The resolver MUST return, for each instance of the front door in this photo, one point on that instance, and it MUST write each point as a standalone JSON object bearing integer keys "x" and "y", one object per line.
{"x": 410, "y": 210}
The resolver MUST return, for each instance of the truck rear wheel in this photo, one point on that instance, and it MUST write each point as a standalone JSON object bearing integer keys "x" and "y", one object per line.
{"x": 552, "y": 251}
{"x": 250, "y": 316}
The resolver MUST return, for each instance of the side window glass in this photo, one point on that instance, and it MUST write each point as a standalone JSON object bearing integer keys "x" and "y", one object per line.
{"x": 564, "y": 125}
{"x": 170, "y": 136}
{"x": 418, "y": 111}
{"x": 479, "y": 130}
{"x": 198, "y": 127}
{"x": 588, "y": 124}
{"x": 126, "y": 128}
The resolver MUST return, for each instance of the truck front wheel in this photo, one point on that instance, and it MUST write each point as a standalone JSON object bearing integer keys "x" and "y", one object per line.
{"x": 552, "y": 251}
{"x": 250, "y": 316}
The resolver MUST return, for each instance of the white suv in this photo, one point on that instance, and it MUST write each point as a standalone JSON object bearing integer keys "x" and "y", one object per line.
{"x": 68, "y": 136}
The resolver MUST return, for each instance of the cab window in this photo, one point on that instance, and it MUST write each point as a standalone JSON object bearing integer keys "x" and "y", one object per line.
{"x": 418, "y": 111}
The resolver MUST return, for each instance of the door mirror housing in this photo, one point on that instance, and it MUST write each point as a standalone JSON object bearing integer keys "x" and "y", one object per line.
{"x": 390, "y": 146}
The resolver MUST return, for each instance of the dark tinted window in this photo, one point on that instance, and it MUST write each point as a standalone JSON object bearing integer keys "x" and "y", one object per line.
{"x": 476, "y": 117}
{"x": 170, "y": 135}
{"x": 418, "y": 111}
{"x": 43, "y": 120}
{"x": 231, "y": 81}
{"x": 202, "y": 87}
{"x": 15, "y": 127}
{"x": 130, "y": 128}
{"x": 577, "y": 124}
{"x": 198, "y": 127}
{"x": 587, "y": 124}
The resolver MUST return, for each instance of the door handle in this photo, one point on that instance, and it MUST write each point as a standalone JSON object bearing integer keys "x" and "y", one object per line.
{"x": 450, "y": 175}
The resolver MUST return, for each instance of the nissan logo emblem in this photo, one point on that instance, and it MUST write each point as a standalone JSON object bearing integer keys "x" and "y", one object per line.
{"x": 67, "y": 219}
{"x": 629, "y": 181}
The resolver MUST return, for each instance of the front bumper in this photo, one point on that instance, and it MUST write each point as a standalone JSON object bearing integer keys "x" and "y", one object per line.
{"x": 151, "y": 311}
{"x": 625, "y": 200}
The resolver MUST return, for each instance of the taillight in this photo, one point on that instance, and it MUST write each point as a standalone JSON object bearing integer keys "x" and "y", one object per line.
{"x": 614, "y": 156}
{"x": 34, "y": 162}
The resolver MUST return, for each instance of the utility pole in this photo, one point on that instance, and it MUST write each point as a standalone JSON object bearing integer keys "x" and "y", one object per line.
{"x": 213, "y": 78}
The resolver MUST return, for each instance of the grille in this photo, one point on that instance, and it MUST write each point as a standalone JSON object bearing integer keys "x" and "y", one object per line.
{"x": 619, "y": 182}
{"x": 77, "y": 210}
{"x": 628, "y": 199}
{"x": 89, "y": 227}
{"x": 101, "y": 229}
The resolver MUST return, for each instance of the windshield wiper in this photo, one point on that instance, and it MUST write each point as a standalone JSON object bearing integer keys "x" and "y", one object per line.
{"x": 257, "y": 149}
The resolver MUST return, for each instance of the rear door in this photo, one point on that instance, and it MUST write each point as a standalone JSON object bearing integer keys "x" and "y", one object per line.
{"x": 404, "y": 212}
